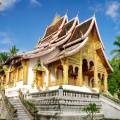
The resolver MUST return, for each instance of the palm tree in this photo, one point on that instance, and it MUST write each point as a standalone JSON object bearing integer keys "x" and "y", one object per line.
{"x": 3, "y": 57}
{"x": 13, "y": 50}
{"x": 116, "y": 51}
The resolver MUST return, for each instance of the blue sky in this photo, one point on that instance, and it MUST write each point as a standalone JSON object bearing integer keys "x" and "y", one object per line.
{"x": 23, "y": 22}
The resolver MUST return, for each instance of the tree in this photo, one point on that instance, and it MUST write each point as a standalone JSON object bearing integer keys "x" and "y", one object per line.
{"x": 3, "y": 57}
{"x": 91, "y": 109}
{"x": 114, "y": 77}
{"x": 13, "y": 50}
{"x": 116, "y": 51}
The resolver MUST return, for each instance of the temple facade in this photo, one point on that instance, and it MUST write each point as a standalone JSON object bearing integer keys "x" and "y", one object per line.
{"x": 69, "y": 55}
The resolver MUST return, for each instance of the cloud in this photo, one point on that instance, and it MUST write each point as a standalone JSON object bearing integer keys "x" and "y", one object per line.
{"x": 112, "y": 9}
{"x": 5, "y": 38}
{"x": 6, "y": 4}
{"x": 35, "y": 3}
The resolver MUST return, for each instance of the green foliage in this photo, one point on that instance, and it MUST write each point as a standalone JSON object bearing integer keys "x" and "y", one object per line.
{"x": 116, "y": 51}
{"x": 91, "y": 110}
{"x": 31, "y": 107}
{"x": 13, "y": 50}
{"x": 3, "y": 57}
{"x": 114, "y": 77}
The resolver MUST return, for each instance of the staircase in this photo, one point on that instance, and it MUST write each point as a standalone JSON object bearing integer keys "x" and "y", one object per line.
{"x": 22, "y": 113}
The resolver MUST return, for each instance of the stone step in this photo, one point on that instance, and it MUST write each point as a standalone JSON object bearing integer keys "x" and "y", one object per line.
{"x": 21, "y": 113}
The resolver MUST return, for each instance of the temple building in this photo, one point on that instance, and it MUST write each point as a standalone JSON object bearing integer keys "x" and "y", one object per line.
{"x": 70, "y": 54}
{"x": 65, "y": 72}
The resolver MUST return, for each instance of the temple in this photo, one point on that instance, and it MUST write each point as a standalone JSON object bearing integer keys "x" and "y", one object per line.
{"x": 65, "y": 71}
{"x": 71, "y": 53}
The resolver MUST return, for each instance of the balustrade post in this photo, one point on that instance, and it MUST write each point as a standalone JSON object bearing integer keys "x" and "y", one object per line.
{"x": 60, "y": 91}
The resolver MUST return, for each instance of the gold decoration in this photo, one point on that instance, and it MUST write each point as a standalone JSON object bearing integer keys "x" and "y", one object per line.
{"x": 56, "y": 19}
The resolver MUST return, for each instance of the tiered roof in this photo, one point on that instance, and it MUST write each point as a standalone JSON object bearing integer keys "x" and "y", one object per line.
{"x": 67, "y": 37}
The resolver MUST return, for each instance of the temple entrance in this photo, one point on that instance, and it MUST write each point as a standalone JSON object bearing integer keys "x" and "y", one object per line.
{"x": 39, "y": 79}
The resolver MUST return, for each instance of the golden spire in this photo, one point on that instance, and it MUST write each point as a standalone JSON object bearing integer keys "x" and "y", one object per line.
{"x": 56, "y": 19}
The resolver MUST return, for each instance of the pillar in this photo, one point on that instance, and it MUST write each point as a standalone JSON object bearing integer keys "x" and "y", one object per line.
{"x": 17, "y": 73}
{"x": 7, "y": 79}
{"x": 56, "y": 81}
{"x": 80, "y": 76}
{"x": 65, "y": 71}
{"x": 34, "y": 78}
{"x": 95, "y": 70}
{"x": 25, "y": 71}
{"x": 49, "y": 77}
{"x": 105, "y": 82}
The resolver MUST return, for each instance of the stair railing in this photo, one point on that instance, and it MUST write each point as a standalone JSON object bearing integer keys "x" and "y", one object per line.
{"x": 10, "y": 108}
{"x": 30, "y": 107}
{"x": 111, "y": 98}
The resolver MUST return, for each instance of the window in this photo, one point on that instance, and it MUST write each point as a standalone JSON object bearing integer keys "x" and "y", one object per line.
{"x": 99, "y": 76}
{"x": 91, "y": 64}
{"x": 85, "y": 66}
{"x": 76, "y": 73}
{"x": 102, "y": 80}
{"x": 70, "y": 72}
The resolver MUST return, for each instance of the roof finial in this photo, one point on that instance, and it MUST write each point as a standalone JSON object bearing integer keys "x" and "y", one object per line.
{"x": 94, "y": 14}
{"x": 77, "y": 14}
{"x": 66, "y": 12}
{"x": 56, "y": 19}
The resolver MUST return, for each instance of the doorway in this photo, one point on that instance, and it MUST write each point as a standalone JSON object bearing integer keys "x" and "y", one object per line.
{"x": 39, "y": 79}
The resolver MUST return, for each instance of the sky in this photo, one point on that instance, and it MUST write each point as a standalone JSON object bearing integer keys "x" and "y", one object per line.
{"x": 23, "y": 22}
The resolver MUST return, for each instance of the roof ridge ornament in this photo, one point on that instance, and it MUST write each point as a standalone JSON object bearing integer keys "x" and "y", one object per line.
{"x": 66, "y": 12}
{"x": 77, "y": 14}
{"x": 94, "y": 15}
{"x": 57, "y": 17}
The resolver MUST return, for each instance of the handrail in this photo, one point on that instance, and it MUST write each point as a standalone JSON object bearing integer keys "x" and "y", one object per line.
{"x": 64, "y": 93}
{"x": 10, "y": 108}
{"x": 111, "y": 98}
{"x": 28, "y": 106}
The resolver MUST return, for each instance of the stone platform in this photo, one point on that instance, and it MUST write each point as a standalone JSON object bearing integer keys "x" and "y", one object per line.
{"x": 61, "y": 104}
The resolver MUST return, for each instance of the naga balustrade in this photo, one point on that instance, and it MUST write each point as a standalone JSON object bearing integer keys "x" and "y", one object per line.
{"x": 28, "y": 106}
{"x": 67, "y": 93}
{"x": 64, "y": 100}
{"x": 12, "y": 112}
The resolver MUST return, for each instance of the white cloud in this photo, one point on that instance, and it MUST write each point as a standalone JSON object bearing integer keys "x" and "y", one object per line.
{"x": 35, "y": 2}
{"x": 5, "y": 38}
{"x": 112, "y": 9}
{"x": 5, "y": 4}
